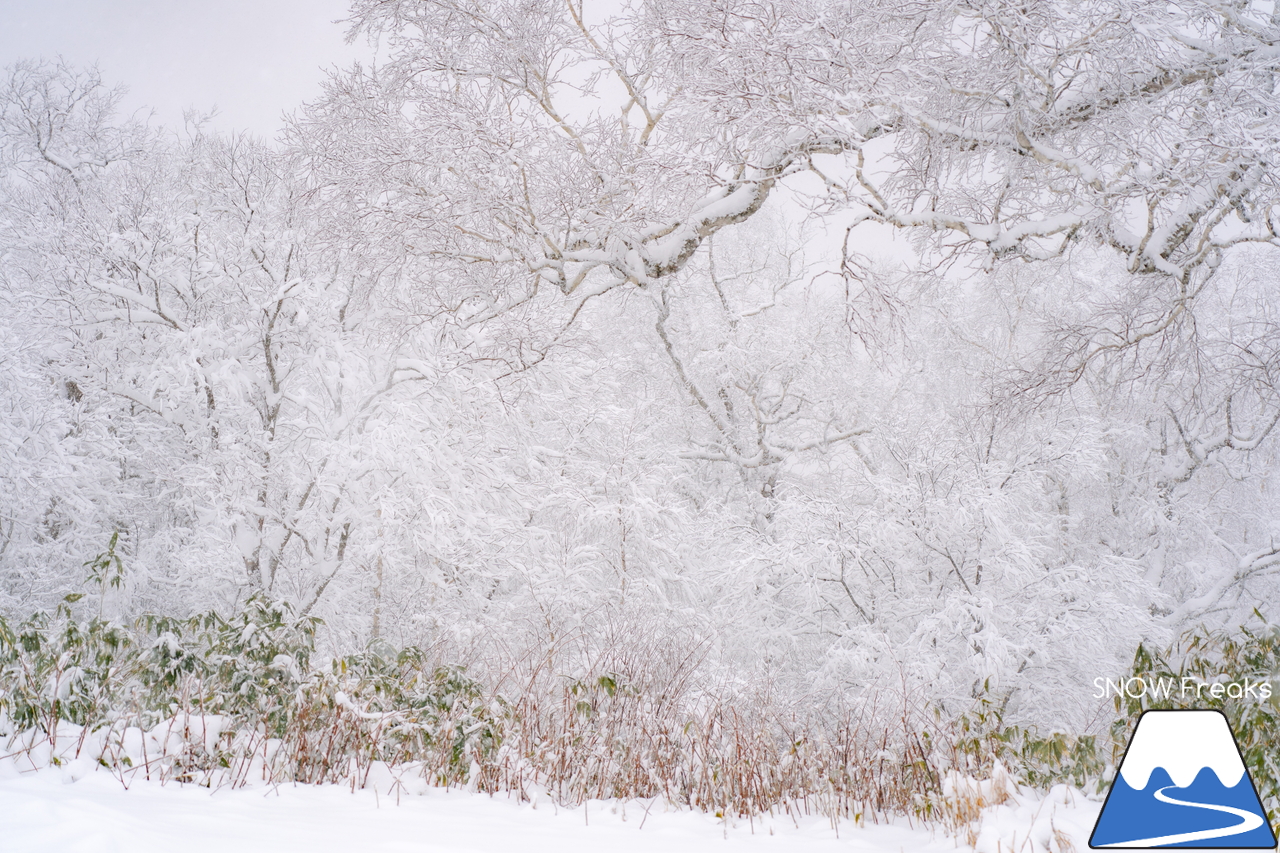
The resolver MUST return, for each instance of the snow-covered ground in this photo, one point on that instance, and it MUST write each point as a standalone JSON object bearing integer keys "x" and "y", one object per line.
{"x": 75, "y": 810}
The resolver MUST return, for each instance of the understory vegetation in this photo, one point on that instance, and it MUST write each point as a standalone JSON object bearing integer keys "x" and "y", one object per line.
{"x": 245, "y": 698}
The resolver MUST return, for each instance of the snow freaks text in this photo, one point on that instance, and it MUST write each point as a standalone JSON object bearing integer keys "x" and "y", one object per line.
{"x": 1153, "y": 687}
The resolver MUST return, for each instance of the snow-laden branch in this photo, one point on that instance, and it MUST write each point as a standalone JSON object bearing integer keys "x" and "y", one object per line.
{"x": 663, "y": 250}
{"x": 1247, "y": 567}
{"x": 1018, "y": 143}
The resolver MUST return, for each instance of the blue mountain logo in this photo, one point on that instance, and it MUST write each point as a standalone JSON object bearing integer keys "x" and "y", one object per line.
{"x": 1182, "y": 783}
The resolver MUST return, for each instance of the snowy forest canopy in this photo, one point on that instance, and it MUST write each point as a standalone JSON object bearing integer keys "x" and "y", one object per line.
{"x": 833, "y": 345}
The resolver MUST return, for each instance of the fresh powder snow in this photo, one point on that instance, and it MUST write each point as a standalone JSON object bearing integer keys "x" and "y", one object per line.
{"x": 75, "y": 809}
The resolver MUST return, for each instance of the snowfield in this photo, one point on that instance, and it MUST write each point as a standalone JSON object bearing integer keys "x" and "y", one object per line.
{"x": 73, "y": 809}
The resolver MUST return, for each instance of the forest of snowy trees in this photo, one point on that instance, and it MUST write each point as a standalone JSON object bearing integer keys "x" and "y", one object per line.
{"x": 807, "y": 349}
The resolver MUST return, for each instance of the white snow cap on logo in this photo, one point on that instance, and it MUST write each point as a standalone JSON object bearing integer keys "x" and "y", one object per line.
{"x": 1183, "y": 743}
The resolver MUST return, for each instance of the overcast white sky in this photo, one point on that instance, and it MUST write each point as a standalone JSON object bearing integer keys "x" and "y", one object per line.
{"x": 252, "y": 59}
